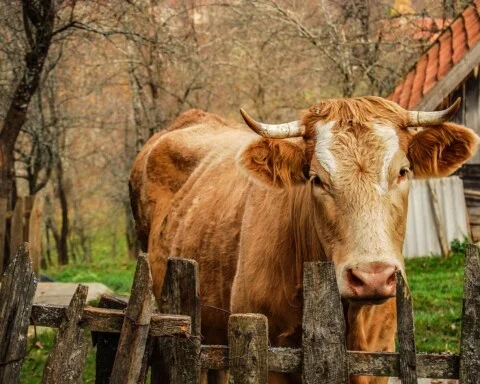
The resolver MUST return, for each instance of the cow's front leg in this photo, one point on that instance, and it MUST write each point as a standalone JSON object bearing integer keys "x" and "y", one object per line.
{"x": 371, "y": 328}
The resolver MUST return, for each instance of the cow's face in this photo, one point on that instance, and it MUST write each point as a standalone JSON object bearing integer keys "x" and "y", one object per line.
{"x": 356, "y": 158}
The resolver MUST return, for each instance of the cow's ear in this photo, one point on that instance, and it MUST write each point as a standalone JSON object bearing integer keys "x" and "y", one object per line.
{"x": 275, "y": 162}
{"x": 439, "y": 151}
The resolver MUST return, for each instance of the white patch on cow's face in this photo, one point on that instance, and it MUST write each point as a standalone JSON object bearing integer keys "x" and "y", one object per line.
{"x": 322, "y": 147}
{"x": 390, "y": 137}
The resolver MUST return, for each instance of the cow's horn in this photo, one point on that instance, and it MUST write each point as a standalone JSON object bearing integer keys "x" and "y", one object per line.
{"x": 419, "y": 118}
{"x": 274, "y": 131}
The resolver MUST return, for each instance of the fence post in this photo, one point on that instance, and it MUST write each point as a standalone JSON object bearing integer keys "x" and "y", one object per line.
{"x": 324, "y": 331}
{"x": 248, "y": 348}
{"x": 127, "y": 367}
{"x": 16, "y": 228}
{"x": 177, "y": 360}
{"x": 406, "y": 333}
{"x": 470, "y": 344}
{"x": 66, "y": 361}
{"x": 16, "y": 297}
{"x": 106, "y": 342}
{"x": 3, "y": 232}
{"x": 34, "y": 229}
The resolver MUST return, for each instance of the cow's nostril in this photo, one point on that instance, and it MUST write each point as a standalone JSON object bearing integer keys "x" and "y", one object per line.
{"x": 392, "y": 278}
{"x": 353, "y": 279}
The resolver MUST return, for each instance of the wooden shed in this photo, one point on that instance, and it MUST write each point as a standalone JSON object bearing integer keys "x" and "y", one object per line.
{"x": 447, "y": 70}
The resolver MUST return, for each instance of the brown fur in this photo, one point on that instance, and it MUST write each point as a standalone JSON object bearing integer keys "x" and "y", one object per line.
{"x": 203, "y": 190}
{"x": 440, "y": 150}
{"x": 361, "y": 110}
{"x": 276, "y": 162}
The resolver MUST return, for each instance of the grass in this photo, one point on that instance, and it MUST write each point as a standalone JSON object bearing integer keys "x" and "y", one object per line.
{"x": 32, "y": 368}
{"x": 110, "y": 265}
{"x": 436, "y": 285}
{"x": 437, "y": 289}
{"x": 117, "y": 274}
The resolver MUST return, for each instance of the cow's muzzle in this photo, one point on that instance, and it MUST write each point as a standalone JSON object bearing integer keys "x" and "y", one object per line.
{"x": 370, "y": 281}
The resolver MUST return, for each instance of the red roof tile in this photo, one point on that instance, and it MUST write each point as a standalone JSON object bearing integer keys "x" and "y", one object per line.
{"x": 450, "y": 47}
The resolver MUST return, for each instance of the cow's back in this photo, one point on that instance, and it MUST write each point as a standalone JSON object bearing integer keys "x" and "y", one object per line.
{"x": 169, "y": 158}
{"x": 188, "y": 198}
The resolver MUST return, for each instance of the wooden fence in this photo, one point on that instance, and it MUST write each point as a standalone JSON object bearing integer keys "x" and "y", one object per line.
{"x": 21, "y": 224}
{"x": 131, "y": 336}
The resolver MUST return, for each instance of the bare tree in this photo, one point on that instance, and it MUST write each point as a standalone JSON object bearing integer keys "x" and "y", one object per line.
{"x": 38, "y": 23}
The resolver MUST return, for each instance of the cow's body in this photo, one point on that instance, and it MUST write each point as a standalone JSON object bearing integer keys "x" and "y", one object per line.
{"x": 191, "y": 199}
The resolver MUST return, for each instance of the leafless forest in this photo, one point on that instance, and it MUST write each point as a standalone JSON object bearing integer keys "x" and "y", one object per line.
{"x": 83, "y": 85}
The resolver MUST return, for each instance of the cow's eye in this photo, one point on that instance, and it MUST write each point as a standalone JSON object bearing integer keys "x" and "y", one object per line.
{"x": 316, "y": 180}
{"x": 403, "y": 172}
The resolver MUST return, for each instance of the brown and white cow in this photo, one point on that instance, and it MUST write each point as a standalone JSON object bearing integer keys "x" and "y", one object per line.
{"x": 252, "y": 207}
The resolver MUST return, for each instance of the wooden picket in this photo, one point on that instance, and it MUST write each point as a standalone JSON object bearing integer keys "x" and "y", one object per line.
{"x": 136, "y": 325}
{"x": 16, "y": 297}
{"x": 66, "y": 361}
{"x": 248, "y": 348}
{"x": 470, "y": 343}
{"x": 177, "y": 360}
{"x": 134, "y": 334}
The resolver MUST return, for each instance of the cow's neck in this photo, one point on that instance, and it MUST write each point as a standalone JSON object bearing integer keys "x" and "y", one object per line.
{"x": 306, "y": 242}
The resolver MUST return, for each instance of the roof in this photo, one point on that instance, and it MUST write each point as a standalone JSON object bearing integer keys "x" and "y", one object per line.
{"x": 421, "y": 29}
{"x": 437, "y": 62}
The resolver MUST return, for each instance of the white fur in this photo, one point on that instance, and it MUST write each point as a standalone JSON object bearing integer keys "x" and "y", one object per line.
{"x": 322, "y": 147}
{"x": 390, "y": 137}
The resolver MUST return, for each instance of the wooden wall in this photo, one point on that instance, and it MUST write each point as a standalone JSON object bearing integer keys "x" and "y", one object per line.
{"x": 469, "y": 113}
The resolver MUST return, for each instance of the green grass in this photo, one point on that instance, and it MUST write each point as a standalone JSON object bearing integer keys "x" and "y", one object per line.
{"x": 117, "y": 274}
{"x": 110, "y": 265}
{"x": 437, "y": 289}
{"x": 32, "y": 368}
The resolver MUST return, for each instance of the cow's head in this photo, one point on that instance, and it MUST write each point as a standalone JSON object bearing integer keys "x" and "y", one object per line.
{"x": 356, "y": 157}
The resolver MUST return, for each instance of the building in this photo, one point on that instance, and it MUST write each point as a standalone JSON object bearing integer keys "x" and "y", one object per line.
{"x": 449, "y": 69}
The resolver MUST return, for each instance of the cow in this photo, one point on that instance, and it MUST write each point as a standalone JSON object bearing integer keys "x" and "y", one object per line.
{"x": 252, "y": 202}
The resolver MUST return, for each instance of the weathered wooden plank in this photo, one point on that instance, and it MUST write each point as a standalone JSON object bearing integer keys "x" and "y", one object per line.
{"x": 16, "y": 228}
{"x": 248, "y": 342}
{"x": 133, "y": 337}
{"x": 66, "y": 361}
{"x": 214, "y": 357}
{"x": 324, "y": 331}
{"x": 289, "y": 360}
{"x": 434, "y": 366}
{"x": 110, "y": 320}
{"x": 16, "y": 296}
{"x": 34, "y": 236}
{"x": 470, "y": 339}
{"x": 3, "y": 232}
{"x": 438, "y": 366}
{"x": 285, "y": 360}
{"x": 174, "y": 360}
{"x": 438, "y": 219}
{"x": 406, "y": 333}
{"x": 106, "y": 342}
{"x": 27, "y": 212}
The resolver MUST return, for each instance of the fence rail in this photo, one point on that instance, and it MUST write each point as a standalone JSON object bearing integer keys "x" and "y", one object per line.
{"x": 130, "y": 337}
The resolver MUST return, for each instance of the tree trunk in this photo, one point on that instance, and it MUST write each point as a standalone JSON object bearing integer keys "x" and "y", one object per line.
{"x": 62, "y": 244}
{"x": 39, "y": 18}
{"x": 130, "y": 232}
